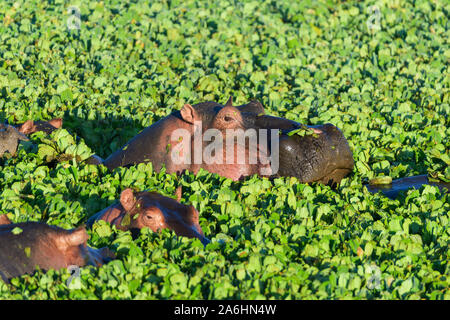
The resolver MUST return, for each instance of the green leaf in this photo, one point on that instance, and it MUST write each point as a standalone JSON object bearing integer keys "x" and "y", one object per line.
{"x": 16, "y": 231}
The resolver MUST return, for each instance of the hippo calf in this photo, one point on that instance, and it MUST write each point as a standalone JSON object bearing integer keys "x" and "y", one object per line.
{"x": 137, "y": 210}
{"x": 173, "y": 142}
{"x": 25, "y": 246}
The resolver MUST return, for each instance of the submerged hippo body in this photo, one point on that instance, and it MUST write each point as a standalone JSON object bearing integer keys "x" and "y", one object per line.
{"x": 324, "y": 158}
{"x": 392, "y": 190}
{"x": 137, "y": 210}
{"x": 47, "y": 247}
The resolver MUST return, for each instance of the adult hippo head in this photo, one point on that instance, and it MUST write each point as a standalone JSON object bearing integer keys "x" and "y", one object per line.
{"x": 238, "y": 141}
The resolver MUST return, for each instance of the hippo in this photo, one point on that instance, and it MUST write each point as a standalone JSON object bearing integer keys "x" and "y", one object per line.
{"x": 11, "y": 135}
{"x": 27, "y": 245}
{"x": 9, "y": 139}
{"x": 137, "y": 210}
{"x": 320, "y": 154}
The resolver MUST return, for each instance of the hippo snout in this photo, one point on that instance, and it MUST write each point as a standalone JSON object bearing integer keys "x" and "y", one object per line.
{"x": 316, "y": 157}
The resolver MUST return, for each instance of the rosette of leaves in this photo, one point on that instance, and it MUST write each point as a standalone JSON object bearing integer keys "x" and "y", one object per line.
{"x": 61, "y": 146}
{"x": 440, "y": 167}
{"x": 437, "y": 176}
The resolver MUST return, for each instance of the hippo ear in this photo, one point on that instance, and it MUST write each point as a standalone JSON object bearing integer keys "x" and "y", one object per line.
{"x": 4, "y": 219}
{"x": 72, "y": 238}
{"x": 57, "y": 122}
{"x": 188, "y": 113}
{"x": 253, "y": 106}
{"x": 27, "y": 127}
{"x": 127, "y": 199}
{"x": 229, "y": 102}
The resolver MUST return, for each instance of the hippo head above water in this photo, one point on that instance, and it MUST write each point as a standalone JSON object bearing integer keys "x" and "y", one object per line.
{"x": 137, "y": 210}
{"x": 25, "y": 246}
{"x": 238, "y": 141}
{"x": 11, "y": 135}
{"x": 9, "y": 139}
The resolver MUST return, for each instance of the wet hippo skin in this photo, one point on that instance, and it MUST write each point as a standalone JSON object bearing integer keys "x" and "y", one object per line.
{"x": 325, "y": 158}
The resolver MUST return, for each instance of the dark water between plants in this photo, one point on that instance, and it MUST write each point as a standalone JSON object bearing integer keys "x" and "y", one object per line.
{"x": 392, "y": 190}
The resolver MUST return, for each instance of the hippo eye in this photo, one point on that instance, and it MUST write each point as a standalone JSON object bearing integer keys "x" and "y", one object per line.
{"x": 228, "y": 118}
